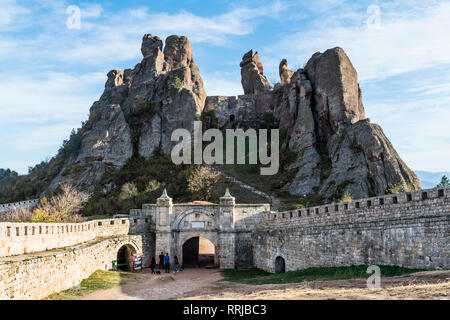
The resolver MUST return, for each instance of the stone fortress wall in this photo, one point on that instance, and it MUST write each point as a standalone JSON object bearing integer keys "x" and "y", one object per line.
{"x": 38, "y": 259}
{"x": 37, "y": 275}
{"x": 6, "y": 207}
{"x": 410, "y": 230}
{"x": 22, "y": 238}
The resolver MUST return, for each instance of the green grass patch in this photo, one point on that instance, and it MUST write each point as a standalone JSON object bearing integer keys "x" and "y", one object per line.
{"x": 259, "y": 277}
{"x": 99, "y": 280}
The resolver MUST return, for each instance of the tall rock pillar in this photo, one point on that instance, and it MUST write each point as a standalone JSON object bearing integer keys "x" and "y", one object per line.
{"x": 227, "y": 237}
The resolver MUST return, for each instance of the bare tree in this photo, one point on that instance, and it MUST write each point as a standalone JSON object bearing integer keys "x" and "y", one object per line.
{"x": 64, "y": 206}
{"x": 18, "y": 214}
{"x": 201, "y": 181}
{"x": 129, "y": 190}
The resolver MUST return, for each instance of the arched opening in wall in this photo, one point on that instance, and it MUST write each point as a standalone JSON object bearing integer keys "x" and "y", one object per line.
{"x": 280, "y": 266}
{"x": 125, "y": 258}
{"x": 232, "y": 117}
{"x": 198, "y": 252}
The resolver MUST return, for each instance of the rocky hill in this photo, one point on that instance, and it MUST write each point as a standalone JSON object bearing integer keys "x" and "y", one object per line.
{"x": 337, "y": 149}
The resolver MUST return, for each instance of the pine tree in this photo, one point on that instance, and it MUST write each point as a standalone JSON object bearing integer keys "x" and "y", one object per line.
{"x": 444, "y": 182}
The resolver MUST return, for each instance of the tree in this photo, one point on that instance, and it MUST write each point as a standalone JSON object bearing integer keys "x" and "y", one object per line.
{"x": 129, "y": 190}
{"x": 444, "y": 182}
{"x": 62, "y": 207}
{"x": 201, "y": 181}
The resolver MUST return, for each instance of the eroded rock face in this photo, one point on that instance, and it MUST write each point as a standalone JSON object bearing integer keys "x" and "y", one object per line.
{"x": 337, "y": 97}
{"x": 252, "y": 77}
{"x": 138, "y": 111}
{"x": 338, "y": 149}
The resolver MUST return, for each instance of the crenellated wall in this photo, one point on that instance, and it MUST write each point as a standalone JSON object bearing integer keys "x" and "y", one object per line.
{"x": 410, "y": 230}
{"x": 6, "y": 207}
{"x": 20, "y": 238}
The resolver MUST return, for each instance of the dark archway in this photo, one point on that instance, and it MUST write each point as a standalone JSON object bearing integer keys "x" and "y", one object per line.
{"x": 125, "y": 257}
{"x": 198, "y": 252}
{"x": 280, "y": 266}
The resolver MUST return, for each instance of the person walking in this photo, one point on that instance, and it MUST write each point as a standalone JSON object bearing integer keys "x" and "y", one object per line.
{"x": 153, "y": 265}
{"x": 175, "y": 264}
{"x": 161, "y": 260}
{"x": 167, "y": 263}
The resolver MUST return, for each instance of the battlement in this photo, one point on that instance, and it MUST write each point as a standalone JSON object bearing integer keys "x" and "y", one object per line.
{"x": 21, "y": 238}
{"x": 392, "y": 204}
{"x": 6, "y": 207}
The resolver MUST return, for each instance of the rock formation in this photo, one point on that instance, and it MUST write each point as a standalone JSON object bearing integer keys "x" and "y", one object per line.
{"x": 338, "y": 149}
{"x": 285, "y": 73}
{"x": 138, "y": 111}
{"x": 252, "y": 77}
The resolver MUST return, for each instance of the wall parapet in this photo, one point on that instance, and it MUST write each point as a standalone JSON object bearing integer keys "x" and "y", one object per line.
{"x": 6, "y": 207}
{"x": 379, "y": 206}
{"x": 21, "y": 238}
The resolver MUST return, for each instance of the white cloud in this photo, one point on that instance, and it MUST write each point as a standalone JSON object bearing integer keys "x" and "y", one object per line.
{"x": 217, "y": 85}
{"x": 91, "y": 11}
{"x": 409, "y": 39}
{"x": 51, "y": 96}
{"x": 116, "y": 37}
{"x": 10, "y": 13}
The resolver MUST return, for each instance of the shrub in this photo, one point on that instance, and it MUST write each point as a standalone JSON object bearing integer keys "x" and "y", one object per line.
{"x": 63, "y": 206}
{"x": 18, "y": 214}
{"x": 152, "y": 186}
{"x": 140, "y": 105}
{"x": 347, "y": 197}
{"x": 72, "y": 147}
{"x": 129, "y": 190}
{"x": 209, "y": 119}
{"x": 177, "y": 83}
{"x": 398, "y": 188}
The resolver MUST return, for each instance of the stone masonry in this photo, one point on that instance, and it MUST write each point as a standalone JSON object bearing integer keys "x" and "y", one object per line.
{"x": 410, "y": 230}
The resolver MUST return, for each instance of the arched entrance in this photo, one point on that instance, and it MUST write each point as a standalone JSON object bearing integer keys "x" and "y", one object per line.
{"x": 280, "y": 266}
{"x": 125, "y": 258}
{"x": 198, "y": 252}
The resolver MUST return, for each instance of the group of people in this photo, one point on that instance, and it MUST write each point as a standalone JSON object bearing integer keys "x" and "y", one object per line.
{"x": 164, "y": 263}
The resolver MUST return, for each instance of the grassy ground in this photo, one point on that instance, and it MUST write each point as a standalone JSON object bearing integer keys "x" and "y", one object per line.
{"x": 422, "y": 291}
{"x": 99, "y": 280}
{"x": 259, "y": 277}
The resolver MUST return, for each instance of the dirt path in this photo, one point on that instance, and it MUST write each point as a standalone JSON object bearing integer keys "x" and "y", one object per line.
{"x": 208, "y": 284}
{"x": 159, "y": 287}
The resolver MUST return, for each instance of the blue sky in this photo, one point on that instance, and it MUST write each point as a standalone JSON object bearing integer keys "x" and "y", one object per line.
{"x": 50, "y": 75}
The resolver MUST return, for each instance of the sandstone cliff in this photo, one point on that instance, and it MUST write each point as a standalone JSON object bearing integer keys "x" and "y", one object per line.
{"x": 320, "y": 107}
